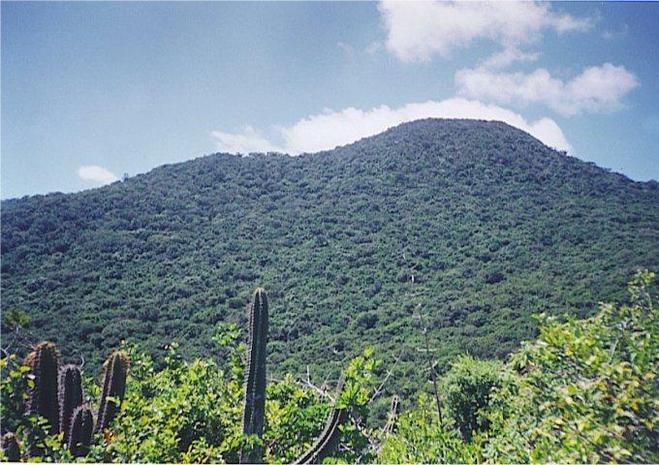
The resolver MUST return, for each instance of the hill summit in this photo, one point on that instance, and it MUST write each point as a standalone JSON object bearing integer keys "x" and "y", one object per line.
{"x": 473, "y": 225}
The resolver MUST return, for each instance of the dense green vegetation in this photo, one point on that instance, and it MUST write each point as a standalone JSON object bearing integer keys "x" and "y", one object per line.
{"x": 586, "y": 391}
{"x": 491, "y": 224}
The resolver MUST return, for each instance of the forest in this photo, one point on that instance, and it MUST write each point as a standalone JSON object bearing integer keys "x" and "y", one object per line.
{"x": 460, "y": 230}
{"x": 584, "y": 391}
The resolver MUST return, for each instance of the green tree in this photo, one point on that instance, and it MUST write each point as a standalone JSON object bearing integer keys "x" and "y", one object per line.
{"x": 467, "y": 388}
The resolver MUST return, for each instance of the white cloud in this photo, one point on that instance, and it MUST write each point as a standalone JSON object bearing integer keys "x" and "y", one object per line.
{"x": 329, "y": 129}
{"x": 96, "y": 174}
{"x": 246, "y": 141}
{"x": 596, "y": 89}
{"x": 416, "y": 31}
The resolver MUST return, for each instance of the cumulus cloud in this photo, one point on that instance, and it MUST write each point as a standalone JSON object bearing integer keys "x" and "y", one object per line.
{"x": 417, "y": 31}
{"x": 247, "y": 141}
{"x": 96, "y": 174}
{"x": 596, "y": 89}
{"x": 329, "y": 129}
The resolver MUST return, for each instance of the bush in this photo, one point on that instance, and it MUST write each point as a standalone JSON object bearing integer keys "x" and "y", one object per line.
{"x": 585, "y": 391}
{"x": 467, "y": 388}
{"x": 420, "y": 439}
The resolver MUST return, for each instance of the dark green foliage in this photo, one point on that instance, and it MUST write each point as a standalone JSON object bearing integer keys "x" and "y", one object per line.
{"x": 11, "y": 448}
{"x": 493, "y": 225}
{"x": 43, "y": 399}
{"x": 329, "y": 438}
{"x": 82, "y": 429}
{"x": 70, "y": 396}
{"x": 115, "y": 371}
{"x": 255, "y": 380}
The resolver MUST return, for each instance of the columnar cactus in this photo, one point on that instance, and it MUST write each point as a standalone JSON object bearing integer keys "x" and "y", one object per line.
{"x": 44, "y": 363}
{"x": 10, "y": 448}
{"x": 255, "y": 382}
{"x": 330, "y": 436}
{"x": 81, "y": 429}
{"x": 70, "y": 396}
{"x": 115, "y": 370}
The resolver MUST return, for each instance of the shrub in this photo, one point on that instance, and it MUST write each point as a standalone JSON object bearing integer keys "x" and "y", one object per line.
{"x": 467, "y": 388}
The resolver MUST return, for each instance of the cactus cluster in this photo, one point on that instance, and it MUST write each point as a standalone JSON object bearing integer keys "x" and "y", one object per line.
{"x": 57, "y": 395}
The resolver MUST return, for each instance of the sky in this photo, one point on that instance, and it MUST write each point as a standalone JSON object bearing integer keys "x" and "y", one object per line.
{"x": 94, "y": 91}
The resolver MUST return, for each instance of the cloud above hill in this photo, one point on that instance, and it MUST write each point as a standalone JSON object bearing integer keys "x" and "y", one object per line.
{"x": 96, "y": 174}
{"x": 421, "y": 31}
{"x": 328, "y": 129}
{"x": 417, "y": 31}
{"x": 596, "y": 89}
{"x": 246, "y": 141}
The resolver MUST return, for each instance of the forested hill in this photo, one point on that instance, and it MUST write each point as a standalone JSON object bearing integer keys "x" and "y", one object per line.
{"x": 492, "y": 225}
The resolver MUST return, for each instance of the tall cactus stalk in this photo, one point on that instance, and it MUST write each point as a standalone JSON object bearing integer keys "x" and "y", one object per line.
{"x": 255, "y": 382}
{"x": 81, "y": 429}
{"x": 10, "y": 448}
{"x": 114, "y": 387}
{"x": 329, "y": 438}
{"x": 70, "y": 396}
{"x": 43, "y": 397}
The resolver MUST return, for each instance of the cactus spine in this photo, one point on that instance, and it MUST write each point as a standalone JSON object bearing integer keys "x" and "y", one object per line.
{"x": 70, "y": 396}
{"x": 81, "y": 429}
{"x": 115, "y": 370}
{"x": 330, "y": 436}
{"x": 254, "y": 411}
{"x": 10, "y": 448}
{"x": 44, "y": 363}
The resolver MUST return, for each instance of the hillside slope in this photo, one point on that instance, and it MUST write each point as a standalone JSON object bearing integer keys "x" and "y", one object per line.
{"x": 493, "y": 225}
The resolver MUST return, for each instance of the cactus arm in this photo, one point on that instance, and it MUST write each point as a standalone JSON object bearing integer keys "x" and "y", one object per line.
{"x": 329, "y": 438}
{"x": 255, "y": 380}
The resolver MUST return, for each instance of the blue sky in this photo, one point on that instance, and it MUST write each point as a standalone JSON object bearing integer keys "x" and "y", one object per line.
{"x": 91, "y": 91}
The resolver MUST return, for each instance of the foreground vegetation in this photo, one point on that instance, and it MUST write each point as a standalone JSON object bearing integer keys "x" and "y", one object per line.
{"x": 583, "y": 391}
{"x": 492, "y": 225}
